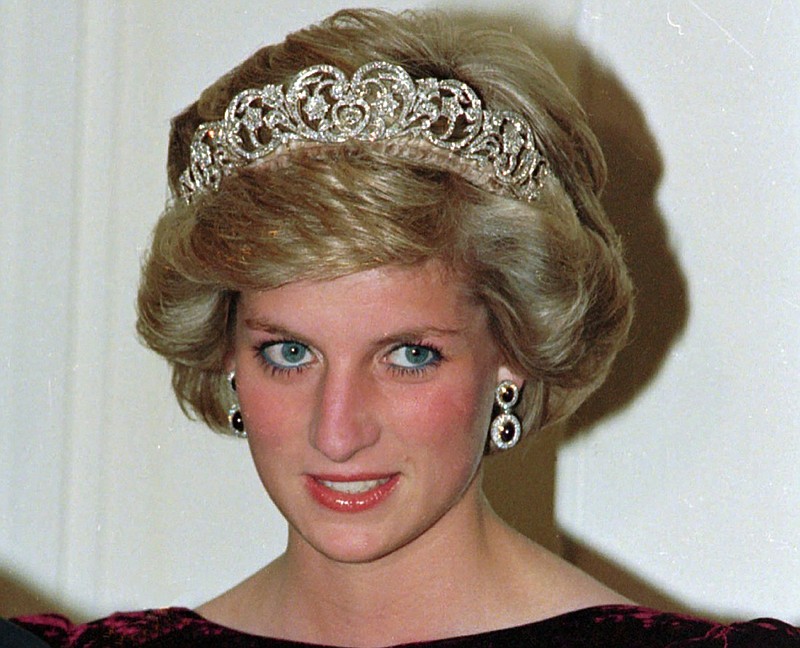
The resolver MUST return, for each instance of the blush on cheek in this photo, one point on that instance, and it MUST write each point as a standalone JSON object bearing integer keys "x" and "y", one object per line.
{"x": 455, "y": 415}
{"x": 472, "y": 402}
{"x": 268, "y": 414}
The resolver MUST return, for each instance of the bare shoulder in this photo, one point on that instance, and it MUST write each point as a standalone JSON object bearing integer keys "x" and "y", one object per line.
{"x": 546, "y": 585}
{"x": 576, "y": 588}
{"x": 222, "y": 609}
{"x": 235, "y": 607}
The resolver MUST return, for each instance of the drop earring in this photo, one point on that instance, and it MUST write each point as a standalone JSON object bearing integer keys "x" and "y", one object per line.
{"x": 235, "y": 420}
{"x": 506, "y": 430}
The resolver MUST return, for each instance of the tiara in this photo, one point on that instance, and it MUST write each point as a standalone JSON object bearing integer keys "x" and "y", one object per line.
{"x": 380, "y": 102}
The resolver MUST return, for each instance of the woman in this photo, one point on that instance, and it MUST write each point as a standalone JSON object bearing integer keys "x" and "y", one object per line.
{"x": 386, "y": 258}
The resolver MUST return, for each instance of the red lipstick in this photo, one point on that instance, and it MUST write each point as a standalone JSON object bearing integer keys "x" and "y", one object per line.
{"x": 351, "y": 494}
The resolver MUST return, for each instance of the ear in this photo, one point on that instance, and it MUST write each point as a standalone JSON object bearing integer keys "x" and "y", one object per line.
{"x": 505, "y": 372}
{"x": 229, "y": 363}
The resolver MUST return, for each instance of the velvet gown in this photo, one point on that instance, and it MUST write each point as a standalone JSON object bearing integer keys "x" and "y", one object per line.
{"x": 614, "y": 626}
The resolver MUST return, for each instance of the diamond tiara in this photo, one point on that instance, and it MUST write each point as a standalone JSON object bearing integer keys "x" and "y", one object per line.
{"x": 380, "y": 102}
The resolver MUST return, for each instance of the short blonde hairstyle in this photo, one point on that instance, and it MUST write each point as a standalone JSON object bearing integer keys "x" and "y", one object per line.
{"x": 549, "y": 272}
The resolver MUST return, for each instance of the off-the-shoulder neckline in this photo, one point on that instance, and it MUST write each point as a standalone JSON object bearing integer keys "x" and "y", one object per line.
{"x": 594, "y": 610}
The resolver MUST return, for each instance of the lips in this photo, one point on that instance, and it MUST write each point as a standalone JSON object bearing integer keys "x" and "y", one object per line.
{"x": 351, "y": 494}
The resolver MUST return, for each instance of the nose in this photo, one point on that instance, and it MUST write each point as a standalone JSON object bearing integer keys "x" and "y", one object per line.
{"x": 343, "y": 423}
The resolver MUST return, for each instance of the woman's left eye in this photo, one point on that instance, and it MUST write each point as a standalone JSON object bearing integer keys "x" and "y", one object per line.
{"x": 414, "y": 356}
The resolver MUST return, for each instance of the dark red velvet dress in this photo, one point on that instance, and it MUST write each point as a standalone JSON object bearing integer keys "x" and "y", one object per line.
{"x": 613, "y": 626}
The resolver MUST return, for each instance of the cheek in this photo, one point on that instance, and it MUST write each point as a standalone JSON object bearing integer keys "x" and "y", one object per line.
{"x": 275, "y": 436}
{"x": 271, "y": 418}
{"x": 450, "y": 417}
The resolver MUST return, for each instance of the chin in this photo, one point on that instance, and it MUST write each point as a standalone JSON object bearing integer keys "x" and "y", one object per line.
{"x": 350, "y": 545}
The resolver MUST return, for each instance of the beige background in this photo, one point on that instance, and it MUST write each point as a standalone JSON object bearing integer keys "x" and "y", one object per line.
{"x": 678, "y": 483}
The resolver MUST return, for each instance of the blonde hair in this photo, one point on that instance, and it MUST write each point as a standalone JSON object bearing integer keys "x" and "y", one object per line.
{"x": 550, "y": 272}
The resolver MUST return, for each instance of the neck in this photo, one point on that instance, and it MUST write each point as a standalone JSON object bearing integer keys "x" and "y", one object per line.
{"x": 397, "y": 598}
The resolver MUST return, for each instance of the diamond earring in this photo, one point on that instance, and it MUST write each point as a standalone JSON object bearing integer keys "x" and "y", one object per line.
{"x": 506, "y": 430}
{"x": 235, "y": 420}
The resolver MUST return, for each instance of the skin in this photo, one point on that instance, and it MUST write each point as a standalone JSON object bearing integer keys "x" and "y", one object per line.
{"x": 385, "y": 373}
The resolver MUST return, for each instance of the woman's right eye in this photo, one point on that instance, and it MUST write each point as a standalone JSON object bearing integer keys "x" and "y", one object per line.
{"x": 286, "y": 355}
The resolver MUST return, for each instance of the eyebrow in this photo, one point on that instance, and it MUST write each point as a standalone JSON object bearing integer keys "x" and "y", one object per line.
{"x": 261, "y": 324}
{"x": 415, "y": 334}
{"x": 406, "y": 335}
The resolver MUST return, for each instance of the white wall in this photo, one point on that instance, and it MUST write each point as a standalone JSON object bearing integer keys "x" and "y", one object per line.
{"x": 706, "y": 461}
{"x": 680, "y": 478}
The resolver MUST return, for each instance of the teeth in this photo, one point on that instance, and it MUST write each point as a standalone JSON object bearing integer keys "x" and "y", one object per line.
{"x": 353, "y": 486}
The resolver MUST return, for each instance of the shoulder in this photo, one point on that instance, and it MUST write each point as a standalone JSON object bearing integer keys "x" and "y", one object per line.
{"x": 622, "y": 626}
{"x": 629, "y": 626}
{"x": 540, "y": 585}
{"x": 160, "y": 627}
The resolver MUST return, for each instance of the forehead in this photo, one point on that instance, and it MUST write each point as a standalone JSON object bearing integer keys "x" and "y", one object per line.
{"x": 427, "y": 294}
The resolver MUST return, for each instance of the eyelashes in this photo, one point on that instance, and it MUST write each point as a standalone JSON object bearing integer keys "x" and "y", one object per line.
{"x": 414, "y": 359}
{"x": 284, "y": 357}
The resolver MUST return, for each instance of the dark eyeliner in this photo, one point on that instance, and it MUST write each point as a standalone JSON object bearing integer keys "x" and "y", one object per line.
{"x": 438, "y": 358}
{"x": 274, "y": 369}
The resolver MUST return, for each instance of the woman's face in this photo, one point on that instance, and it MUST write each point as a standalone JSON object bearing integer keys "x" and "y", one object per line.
{"x": 367, "y": 401}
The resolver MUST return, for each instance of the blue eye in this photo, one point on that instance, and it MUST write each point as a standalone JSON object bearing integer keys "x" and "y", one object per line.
{"x": 286, "y": 354}
{"x": 414, "y": 356}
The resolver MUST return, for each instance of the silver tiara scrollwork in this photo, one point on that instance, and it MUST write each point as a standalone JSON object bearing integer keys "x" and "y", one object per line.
{"x": 380, "y": 102}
